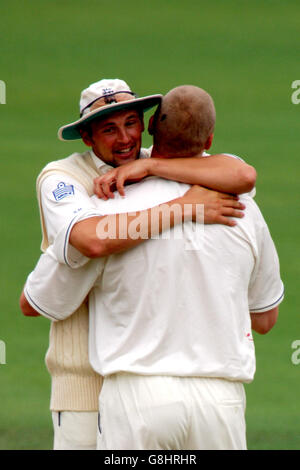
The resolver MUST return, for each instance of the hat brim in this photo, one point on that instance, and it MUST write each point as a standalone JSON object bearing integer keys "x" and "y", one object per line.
{"x": 72, "y": 131}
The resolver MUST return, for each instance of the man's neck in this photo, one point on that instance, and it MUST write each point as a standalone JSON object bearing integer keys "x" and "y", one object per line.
{"x": 97, "y": 160}
{"x": 156, "y": 154}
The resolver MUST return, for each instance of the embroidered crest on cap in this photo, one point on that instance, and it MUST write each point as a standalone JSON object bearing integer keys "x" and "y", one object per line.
{"x": 63, "y": 190}
{"x": 107, "y": 91}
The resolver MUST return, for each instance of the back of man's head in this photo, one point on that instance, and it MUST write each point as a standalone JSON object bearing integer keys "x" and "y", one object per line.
{"x": 184, "y": 122}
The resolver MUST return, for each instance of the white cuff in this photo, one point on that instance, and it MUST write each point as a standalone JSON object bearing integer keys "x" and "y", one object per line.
{"x": 38, "y": 307}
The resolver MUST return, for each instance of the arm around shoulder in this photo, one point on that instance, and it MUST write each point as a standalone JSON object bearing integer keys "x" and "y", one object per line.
{"x": 94, "y": 239}
{"x": 220, "y": 172}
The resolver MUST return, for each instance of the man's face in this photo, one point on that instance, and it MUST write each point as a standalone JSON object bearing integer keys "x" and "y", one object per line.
{"x": 117, "y": 139}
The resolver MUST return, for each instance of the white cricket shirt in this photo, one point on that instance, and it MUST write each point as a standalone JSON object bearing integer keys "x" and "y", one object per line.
{"x": 162, "y": 309}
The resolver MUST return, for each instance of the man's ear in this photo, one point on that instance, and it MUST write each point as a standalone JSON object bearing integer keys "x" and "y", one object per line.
{"x": 208, "y": 142}
{"x": 150, "y": 125}
{"x": 86, "y": 137}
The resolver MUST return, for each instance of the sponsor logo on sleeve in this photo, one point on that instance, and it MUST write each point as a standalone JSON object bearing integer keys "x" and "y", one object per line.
{"x": 63, "y": 190}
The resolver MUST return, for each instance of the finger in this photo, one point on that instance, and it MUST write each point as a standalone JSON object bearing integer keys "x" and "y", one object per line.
{"x": 107, "y": 191}
{"x": 233, "y": 204}
{"x": 226, "y": 221}
{"x": 120, "y": 185}
{"x": 230, "y": 212}
{"x": 98, "y": 179}
{"x": 233, "y": 197}
{"x": 107, "y": 178}
{"x": 98, "y": 191}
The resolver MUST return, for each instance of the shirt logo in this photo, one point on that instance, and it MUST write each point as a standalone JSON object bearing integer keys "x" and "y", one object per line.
{"x": 63, "y": 190}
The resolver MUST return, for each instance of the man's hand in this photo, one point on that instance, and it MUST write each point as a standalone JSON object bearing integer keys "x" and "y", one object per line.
{"x": 218, "y": 207}
{"x": 115, "y": 179}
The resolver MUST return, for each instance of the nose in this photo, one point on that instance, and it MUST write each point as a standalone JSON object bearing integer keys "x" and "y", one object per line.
{"x": 123, "y": 135}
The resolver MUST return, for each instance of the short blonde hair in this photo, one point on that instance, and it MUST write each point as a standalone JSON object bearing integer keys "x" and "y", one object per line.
{"x": 184, "y": 121}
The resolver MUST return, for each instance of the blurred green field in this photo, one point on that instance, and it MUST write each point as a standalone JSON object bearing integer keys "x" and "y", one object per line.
{"x": 246, "y": 54}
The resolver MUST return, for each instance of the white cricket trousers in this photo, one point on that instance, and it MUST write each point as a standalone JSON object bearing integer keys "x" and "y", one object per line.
{"x": 75, "y": 430}
{"x": 171, "y": 413}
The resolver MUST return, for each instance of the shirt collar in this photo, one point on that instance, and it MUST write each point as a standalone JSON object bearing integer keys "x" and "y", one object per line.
{"x": 98, "y": 162}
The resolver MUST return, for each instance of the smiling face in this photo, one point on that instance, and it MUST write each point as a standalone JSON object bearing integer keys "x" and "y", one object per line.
{"x": 117, "y": 138}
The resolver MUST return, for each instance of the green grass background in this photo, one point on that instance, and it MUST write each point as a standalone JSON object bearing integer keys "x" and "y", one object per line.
{"x": 246, "y": 54}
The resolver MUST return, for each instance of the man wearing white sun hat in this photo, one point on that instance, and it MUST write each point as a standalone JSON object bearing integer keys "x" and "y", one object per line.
{"x": 111, "y": 125}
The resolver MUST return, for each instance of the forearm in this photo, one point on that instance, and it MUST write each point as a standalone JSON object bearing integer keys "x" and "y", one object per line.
{"x": 26, "y": 308}
{"x": 218, "y": 172}
{"x": 102, "y": 236}
{"x": 262, "y": 323}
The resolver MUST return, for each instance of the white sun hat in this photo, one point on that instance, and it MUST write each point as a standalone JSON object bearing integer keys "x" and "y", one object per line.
{"x": 102, "y": 98}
